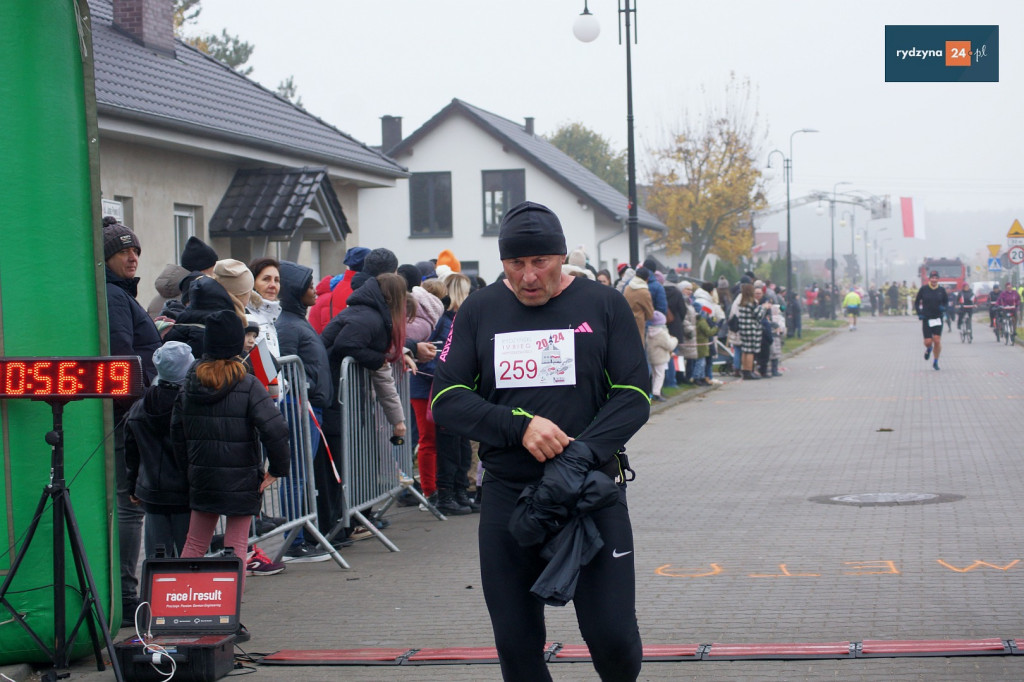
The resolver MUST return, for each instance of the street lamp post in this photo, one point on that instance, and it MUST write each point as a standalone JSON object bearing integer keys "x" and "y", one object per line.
{"x": 586, "y": 28}
{"x": 832, "y": 214}
{"x": 787, "y": 167}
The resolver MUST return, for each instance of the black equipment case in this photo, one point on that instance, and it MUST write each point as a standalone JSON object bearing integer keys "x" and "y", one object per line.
{"x": 192, "y": 619}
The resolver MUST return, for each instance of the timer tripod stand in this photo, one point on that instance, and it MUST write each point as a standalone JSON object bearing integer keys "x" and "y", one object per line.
{"x": 63, "y": 520}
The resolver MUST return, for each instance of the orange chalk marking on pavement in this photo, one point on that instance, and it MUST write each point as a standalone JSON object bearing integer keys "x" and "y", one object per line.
{"x": 978, "y": 564}
{"x": 665, "y": 571}
{"x": 889, "y": 566}
{"x": 785, "y": 574}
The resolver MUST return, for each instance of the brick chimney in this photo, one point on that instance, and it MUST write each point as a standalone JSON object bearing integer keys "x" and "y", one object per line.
{"x": 148, "y": 22}
{"x": 529, "y": 125}
{"x": 390, "y": 132}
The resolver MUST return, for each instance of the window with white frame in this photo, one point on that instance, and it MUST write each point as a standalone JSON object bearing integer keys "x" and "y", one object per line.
{"x": 184, "y": 226}
{"x": 502, "y": 189}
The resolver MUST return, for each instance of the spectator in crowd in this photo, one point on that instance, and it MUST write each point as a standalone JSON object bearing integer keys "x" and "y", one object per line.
{"x": 705, "y": 335}
{"x": 431, "y": 299}
{"x": 763, "y": 355}
{"x": 296, "y": 336}
{"x": 660, "y": 345}
{"x": 656, "y": 286}
{"x": 338, "y": 286}
{"x": 749, "y": 313}
{"x": 688, "y": 339}
{"x": 225, "y": 475}
{"x": 604, "y": 277}
{"x": 238, "y": 281}
{"x": 264, "y": 307}
{"x": 454, "y": 452}
{"x": 206, "y": 296}
{"x": 132, "y": 332}
{"x": 677, "y": 305}
{"x": 168, "y": 290}
{"x": 638, "y": 296}
{"x": 157, "y": 483}
{"x": 778, "y": 338}
{"x": 198, "y": 258}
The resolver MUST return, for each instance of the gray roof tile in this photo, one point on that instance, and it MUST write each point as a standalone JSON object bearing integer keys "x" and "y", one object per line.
{"x": 196, "y": 93}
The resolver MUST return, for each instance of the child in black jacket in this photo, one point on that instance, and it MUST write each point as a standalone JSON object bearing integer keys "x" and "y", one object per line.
{"x": 156, "y": 481}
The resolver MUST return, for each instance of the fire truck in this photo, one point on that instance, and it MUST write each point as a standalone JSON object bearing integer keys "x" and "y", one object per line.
{"x": 952, "y": 272}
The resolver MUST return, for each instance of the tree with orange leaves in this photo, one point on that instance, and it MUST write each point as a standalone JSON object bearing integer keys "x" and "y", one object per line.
{"x": 705, "y": 184}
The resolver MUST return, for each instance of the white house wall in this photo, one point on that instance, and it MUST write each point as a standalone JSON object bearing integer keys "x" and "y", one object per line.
{"x": 464, "y": 149}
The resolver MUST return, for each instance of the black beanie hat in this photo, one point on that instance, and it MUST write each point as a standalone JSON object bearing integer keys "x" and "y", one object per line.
{"x": 225, "y": 335}
{"x": 118, "y": 237}
{"x": 529, "y": 229}
{"x": 197, "y": 255}
{"x": 412, "y": 276}
{"x": 380, "y": 261}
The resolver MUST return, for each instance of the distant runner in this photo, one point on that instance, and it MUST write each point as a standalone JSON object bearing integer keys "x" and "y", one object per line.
{"x": 931, "y": 302}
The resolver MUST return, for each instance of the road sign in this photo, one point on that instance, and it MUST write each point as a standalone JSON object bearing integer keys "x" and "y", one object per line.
{"x": 994, "y": 265}
{"x": 993, "y": 250}
{"x": 1016, "y": 255}
{"x": 1015, "y": 241}
{"x": 1016, "y": 230}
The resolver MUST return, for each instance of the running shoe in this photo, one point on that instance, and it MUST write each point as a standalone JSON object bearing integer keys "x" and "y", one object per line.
{"x": 305, "y": 553}
{"x": 935, "y": 363}
{"x": 927, "y": 354}
{"x": 258, "y": 563}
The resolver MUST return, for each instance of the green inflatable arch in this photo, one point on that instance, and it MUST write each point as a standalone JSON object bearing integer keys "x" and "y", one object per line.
{"x": 52, "y": 303}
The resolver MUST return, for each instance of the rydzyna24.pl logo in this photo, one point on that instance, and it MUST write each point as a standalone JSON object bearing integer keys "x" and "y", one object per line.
{"x": 923, "y": 54}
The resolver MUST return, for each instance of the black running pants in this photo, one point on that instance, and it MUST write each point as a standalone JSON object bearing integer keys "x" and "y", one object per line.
{"x": 605, "y": 598}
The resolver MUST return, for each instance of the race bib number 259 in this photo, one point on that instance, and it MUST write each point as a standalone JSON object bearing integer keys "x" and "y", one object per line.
{"x": 535, "y": 358}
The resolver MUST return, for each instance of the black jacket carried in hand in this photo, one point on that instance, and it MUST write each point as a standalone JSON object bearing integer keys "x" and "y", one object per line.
{"x": 218, "y": 434}
{"x": 154, "y": 475}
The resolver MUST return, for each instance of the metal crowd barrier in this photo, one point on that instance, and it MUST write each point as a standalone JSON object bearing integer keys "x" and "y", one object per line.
{"x": 374, "y": 470}
{"x": 294, "y": 497}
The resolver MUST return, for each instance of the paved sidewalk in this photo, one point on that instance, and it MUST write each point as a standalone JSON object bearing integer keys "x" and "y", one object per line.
{"x": 731, "y": 545}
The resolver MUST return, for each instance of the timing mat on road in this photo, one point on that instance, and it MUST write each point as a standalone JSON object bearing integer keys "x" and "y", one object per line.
{"x": 556, "y": 652}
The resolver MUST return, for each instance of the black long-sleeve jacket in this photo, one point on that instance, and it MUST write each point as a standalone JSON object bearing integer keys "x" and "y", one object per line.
{"x": 606, "y": 406}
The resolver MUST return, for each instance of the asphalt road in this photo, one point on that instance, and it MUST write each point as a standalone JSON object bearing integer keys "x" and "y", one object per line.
{"x": 739, "y": 537}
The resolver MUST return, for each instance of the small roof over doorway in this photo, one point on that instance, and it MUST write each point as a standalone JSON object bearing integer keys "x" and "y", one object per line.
{"x": 280, "y": 204}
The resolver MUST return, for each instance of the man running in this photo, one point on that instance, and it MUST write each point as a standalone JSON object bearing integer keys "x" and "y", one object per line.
{"x": 930, "y": 303}
{"x": 851, "y": 304}
{"x": 548, "y": 372}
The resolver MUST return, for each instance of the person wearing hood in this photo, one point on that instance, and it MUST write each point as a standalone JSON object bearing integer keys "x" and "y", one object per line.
{"x": 156, "y": 481}
{"x": 333, "y": 290}
{"x": 638, "y": 296}
{"x": 296, "y": 336}
{"x": 168, "y": 291}
{"x": 132, "y": 332}
{"x": 225, "y": 473}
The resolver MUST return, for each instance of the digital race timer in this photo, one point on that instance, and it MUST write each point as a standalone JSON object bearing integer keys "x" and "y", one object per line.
{"x": 70, "y": 378}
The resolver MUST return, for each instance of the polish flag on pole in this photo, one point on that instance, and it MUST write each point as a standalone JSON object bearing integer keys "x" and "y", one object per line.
{"x": 913, "y": 218}
{"x": 262, "y": 363}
